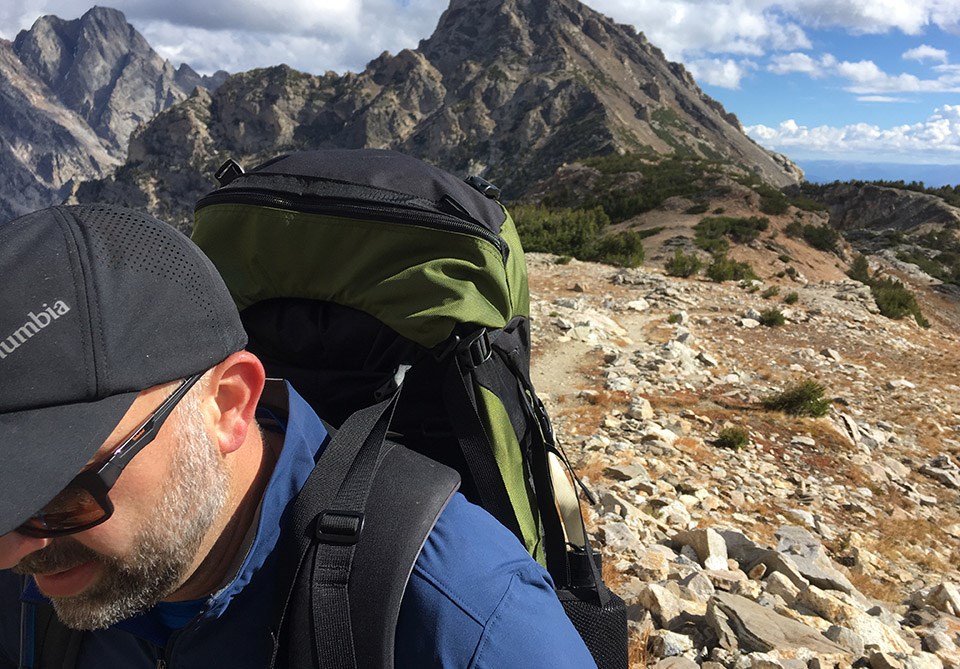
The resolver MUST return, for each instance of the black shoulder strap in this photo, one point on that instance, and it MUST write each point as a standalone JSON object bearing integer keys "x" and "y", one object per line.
{"x": 353, "y": 536}
{"x": 56, "y": 646}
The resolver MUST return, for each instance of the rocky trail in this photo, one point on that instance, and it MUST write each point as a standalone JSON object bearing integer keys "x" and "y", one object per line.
{"x": 821, "y": 542}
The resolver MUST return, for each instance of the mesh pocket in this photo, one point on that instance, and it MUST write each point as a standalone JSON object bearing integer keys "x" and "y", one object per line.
{"x": 602, "y": 627}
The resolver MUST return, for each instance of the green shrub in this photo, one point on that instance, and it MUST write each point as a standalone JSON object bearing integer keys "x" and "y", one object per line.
{"x": 624, "y": 249}
{"x": 683, "y": 265}
{"x": 774, "y": 203}
{"x": 785, "y": 258}
{"x": 931, "y": 266}
{"x": 650, "y": 232}
{"x": 697, "y": 208}
{"x": 725, "y": 269}
{"x": 772, "y": 317}
{"x": 578, "y": 233}
{"x": 804, "y": 398}
{"x": 740, "y": 230}
{"x": 561, "y": 231}
{"x": 807, "y": 203}
{"x": 859, "y": 269}
{"x": 772, "y": 291}
{"x": 673, "y": 319}
{"x": 715, "y": 247}
{"x": 735, "y": 437}
{"x": 895, "y": 301}
{"x": 822, "y": 237}
{"x": 719, "y": 210}
{"x": 791, "y": 298}
{"x": 659, "y": 179}
{"x": 794, "y": 230}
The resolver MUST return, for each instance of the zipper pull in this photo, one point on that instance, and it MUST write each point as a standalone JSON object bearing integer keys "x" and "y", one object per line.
{"x": 485, "y": 187}
{"x": 229, "y": 171}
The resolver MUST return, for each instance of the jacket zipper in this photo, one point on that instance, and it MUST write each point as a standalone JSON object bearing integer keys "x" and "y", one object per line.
{"x": 356, "y": 209}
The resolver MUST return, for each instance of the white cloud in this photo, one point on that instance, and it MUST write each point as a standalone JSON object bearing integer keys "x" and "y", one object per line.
{"x": 688, "y": 29}
{"x": 880, "y": 98}
{"x": 317, "y": 35}
{"x": 935, "y": 139}
{"x": 237, "y": 35}
{"x": 723, "y": 73}
{"x": 866, "y": 77}
{"x": 802, "y": 63}
{"x": 926, "y": 52}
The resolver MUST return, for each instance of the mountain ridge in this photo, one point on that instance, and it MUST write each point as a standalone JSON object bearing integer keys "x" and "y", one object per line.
{"x": 510, "y": 91}
{"x": 75, "y": 90}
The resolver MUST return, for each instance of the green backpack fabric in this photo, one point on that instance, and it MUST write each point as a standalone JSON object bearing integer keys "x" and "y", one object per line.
{"x": 353, "y": 269}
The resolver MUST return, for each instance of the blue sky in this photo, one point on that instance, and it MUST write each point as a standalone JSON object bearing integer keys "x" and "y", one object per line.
{"x": 861, "y": 80}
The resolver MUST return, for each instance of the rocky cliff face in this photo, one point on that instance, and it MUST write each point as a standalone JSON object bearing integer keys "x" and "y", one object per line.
{"x": 864, "y": 206}
{"x": 509, "y": 89}
{"x": 43, "y": 145}
{"x": 73, "y": 92}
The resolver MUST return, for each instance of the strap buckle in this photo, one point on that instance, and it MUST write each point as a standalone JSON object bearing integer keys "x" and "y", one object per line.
{"x": 475, "y": 350}
{"x": 338, "y": 527}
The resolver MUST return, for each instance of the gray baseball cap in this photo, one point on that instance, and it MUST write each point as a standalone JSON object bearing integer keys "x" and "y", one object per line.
{"x": 97, "y": 303}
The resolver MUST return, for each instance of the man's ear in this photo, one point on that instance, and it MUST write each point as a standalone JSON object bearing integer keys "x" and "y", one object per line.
{"x": 233, "y": 390}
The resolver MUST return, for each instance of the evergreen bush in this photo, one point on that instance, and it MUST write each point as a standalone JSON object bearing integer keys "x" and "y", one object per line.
{"x": 859, "y": 269}
{"x": 735, "y": 438}
{"x": 804, "y": 398}
{"x": 683, "y": 265}
{"x": 580, "y": 233}
{"x": 772, "y": 317}
{"x": 725, "y": 269}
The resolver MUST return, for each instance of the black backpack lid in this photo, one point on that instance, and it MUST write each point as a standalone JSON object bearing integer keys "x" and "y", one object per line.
{"x": 388, "y": 170}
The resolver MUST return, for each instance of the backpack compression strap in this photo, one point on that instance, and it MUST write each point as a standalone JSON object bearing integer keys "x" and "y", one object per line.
{"x": 355, "y": 532}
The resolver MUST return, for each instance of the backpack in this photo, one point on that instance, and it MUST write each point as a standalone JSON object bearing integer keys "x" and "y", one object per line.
{"x": 361, "y": 272}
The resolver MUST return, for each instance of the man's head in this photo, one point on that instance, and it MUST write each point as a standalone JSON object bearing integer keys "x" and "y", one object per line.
{"x": 103, "y": 313}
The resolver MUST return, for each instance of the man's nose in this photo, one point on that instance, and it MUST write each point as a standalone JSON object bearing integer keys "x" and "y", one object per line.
{"x": 15, "y": 546}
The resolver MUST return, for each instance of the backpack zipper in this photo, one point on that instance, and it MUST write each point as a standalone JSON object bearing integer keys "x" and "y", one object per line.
{"x": 355, "y": 209}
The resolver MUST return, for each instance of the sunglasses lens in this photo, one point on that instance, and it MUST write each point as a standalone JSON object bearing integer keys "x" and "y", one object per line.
{"x": 73, "y": 509}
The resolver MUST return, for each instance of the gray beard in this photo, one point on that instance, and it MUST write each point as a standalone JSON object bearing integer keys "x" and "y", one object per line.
{"x": 164, "y": 549}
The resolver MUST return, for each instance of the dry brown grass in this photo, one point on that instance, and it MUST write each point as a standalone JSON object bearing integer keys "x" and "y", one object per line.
{"x": 912, "y": 540}
{"x": 592, "y": 468}
{"x": 585, "y": 414}
{"x": 639, "y": 654}
{"x": 884, "y": 590}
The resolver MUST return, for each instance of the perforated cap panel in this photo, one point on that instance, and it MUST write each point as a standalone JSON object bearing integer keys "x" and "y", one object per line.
{"x": 98, "y": 303}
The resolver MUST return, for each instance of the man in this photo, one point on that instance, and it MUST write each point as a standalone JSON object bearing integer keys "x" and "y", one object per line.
{"x": 147, "y": 464}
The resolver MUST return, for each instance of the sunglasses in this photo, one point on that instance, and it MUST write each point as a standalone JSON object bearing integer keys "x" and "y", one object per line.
{"x": 84, "y": 503}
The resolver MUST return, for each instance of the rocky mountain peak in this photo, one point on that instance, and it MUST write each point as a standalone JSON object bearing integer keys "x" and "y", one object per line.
{"x": 74, "y": 91}
{"x": 100, "y": 67}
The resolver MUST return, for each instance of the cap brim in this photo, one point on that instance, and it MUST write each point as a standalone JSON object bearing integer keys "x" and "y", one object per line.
{"x": 41, "y": 450}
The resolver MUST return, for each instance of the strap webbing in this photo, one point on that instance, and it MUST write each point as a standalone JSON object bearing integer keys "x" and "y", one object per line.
{"x": 353, "y": 536}
{"x": 475, "y": 445}
{"x": 338, "y": 486}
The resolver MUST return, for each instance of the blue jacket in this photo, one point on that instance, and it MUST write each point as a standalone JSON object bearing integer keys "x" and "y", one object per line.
{"x": 475, "y": 598}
